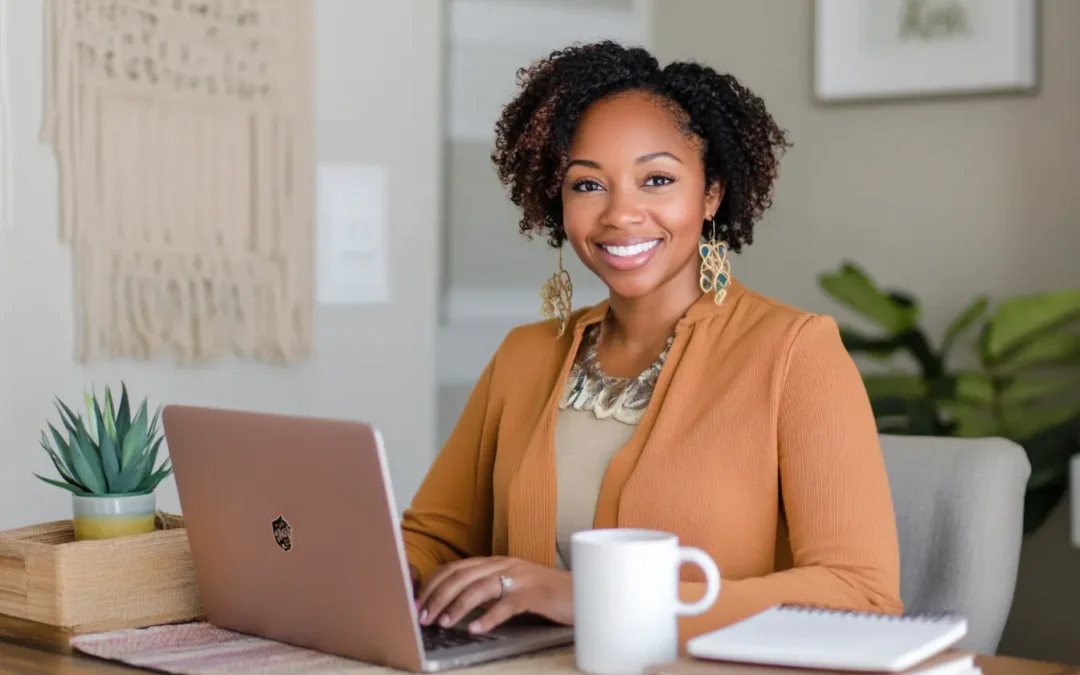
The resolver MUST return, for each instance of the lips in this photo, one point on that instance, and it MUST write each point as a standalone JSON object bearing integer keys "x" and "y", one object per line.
{"x": 628, "y": 254}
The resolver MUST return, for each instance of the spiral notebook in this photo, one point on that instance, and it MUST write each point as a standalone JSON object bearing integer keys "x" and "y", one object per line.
{"x": 825, "y": 639}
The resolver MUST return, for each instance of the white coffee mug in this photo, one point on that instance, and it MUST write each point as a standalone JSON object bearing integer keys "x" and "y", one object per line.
{"x": 626, "y": 598}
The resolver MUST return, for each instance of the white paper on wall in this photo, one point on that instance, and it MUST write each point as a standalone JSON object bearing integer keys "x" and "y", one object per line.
{"x": 352, "y": 260}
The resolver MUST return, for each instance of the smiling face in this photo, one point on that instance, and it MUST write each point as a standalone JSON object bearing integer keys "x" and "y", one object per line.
{"x": 634, "y": 198}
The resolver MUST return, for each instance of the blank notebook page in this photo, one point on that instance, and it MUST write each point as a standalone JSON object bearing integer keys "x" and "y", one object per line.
{"x": 817, "y": 638}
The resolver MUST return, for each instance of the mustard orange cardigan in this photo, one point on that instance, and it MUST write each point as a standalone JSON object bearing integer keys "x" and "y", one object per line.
{"x": 759, "y": 446}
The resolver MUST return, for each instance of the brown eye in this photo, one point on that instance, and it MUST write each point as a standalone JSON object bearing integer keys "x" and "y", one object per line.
{"x": 658, "y": 180}
{"x": 585, "y": 185}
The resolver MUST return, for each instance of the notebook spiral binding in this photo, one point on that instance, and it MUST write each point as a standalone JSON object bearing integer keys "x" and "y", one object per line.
{"x": 920, "y": 617}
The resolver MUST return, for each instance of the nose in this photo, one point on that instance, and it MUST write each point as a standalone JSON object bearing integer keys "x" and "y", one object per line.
{"x": 622, "y": 209}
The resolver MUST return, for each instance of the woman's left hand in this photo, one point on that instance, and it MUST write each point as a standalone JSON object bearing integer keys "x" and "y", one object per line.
{"x": 455, "y": 590}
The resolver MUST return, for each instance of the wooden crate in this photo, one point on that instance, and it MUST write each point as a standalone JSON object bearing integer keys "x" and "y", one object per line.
{"x": 53, "y": 587}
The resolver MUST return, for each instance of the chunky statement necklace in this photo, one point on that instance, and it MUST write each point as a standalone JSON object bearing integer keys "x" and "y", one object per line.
{"x": 622, "y": 398}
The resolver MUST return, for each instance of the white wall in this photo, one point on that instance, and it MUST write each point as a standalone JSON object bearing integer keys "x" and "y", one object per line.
{"x": 379, "y": 101}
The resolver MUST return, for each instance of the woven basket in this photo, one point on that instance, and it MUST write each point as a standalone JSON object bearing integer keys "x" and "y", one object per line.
{"x": 50, "y": 580}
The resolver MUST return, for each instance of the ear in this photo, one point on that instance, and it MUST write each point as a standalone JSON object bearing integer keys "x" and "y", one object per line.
{"x": 713, "y": 196}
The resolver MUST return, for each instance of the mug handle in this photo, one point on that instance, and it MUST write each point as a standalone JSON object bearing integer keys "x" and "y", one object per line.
{"x": 689, "y": 554}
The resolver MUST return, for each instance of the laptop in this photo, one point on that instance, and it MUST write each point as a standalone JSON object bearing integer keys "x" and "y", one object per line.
{"x": 295, "y": 537}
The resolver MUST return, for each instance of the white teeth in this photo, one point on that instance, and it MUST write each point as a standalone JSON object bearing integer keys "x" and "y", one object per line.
{"x": 627, "y": 251}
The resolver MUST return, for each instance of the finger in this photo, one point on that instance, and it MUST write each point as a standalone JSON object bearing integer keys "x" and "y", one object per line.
{"x": 501, "y": 612}
{"x": 454, "y": 584}
{"x": 484, "y": 589}
{"x": 440, "y": 575}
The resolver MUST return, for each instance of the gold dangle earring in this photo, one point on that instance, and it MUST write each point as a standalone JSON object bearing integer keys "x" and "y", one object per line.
{"x": 715, "y": 266}
{"x": 555, "y": 296}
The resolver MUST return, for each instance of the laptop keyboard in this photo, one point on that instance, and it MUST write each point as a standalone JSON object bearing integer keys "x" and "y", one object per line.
{"x": 437, "y": 637}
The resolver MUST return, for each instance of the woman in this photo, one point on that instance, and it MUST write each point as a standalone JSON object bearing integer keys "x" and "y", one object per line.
{"x": 685, "y": 402}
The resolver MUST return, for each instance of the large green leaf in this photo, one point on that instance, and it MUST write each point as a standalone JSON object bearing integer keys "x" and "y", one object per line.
{"x": 894, "y": 385}
{"x": 1024, "y": 389}
{"x": 1046, "y": 349}
{"x": 971, "y": 421}
{"x": 961, "y": 323}
{"x": 853, "y": 288}
{"x": 1020, "y": 320}
{"x": 974, "y": 387}
{"x": 1023, "y": 422}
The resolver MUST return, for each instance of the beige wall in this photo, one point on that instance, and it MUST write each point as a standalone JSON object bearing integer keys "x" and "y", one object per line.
{"x": 378, "y": 102}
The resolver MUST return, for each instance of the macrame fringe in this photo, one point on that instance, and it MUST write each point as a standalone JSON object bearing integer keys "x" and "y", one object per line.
{"x": 184, "y": 135}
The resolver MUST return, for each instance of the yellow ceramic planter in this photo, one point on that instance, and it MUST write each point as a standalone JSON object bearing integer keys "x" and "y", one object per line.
{"x": 107, "y": 517}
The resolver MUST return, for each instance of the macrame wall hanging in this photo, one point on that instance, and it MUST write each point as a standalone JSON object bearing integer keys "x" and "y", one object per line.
{"x": 184, "y": 132}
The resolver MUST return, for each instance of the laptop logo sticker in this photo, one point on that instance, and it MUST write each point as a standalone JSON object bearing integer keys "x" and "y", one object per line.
{"x": 283, "y": 533}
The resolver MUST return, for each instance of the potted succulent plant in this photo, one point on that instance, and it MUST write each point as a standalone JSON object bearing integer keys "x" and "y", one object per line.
{"x": 109, "y": 464}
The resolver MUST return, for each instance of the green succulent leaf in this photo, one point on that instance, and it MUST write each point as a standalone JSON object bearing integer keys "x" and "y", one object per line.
{"x": 110, "y": 460}
{"x": 961, "y": 323}
{"x": 74, "y": 489}
{"x": 63, "y": 449}
{"x": 123, "y": 415}
{"x": 135, "y": 440}
{"x": 853, "y": 288}
{"x": 1020, "y": 320}
{"x": 135, "y": 473}
{"x": 161, "y": 474}
{"x": 88, "y": 462}
{"x": 61, "y": 466}
{"x": 91, "y": 419}
{"x": 110, "y": 415}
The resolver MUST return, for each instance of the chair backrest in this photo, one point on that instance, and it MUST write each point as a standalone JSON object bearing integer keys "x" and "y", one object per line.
{"x": 960, "y": 512}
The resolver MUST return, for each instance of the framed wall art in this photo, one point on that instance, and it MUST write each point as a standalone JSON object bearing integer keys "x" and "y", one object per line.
{"x": 887, "y": 49}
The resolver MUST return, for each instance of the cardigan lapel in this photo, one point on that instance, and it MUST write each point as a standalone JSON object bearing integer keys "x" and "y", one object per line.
{"x": 533, "y": 491}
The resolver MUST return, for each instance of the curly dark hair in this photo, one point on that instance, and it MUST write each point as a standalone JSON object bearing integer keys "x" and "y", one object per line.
{"x": 741, "y": 143}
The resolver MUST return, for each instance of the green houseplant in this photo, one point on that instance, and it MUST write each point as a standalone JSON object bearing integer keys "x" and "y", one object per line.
{"x": 1024, "y": 383}
{"x": 108, "y": 462}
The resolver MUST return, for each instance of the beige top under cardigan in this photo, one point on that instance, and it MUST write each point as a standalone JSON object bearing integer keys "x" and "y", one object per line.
{"x": 598, "y": 414}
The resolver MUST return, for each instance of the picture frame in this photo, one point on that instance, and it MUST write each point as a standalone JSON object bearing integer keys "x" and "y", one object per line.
{"x": 894, "y": 49}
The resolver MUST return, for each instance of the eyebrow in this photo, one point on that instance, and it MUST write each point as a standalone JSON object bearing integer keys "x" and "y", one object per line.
{"x": 640, "y": 160}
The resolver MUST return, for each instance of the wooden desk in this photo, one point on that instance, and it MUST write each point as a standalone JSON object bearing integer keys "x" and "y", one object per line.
{"x": 20, "y": 659}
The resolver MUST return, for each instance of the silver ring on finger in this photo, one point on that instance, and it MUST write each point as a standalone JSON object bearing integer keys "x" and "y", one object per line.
{"x": 506, "y": 584}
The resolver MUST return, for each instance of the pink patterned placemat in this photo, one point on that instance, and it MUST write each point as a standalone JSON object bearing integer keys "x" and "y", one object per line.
{"x": 203, "y": 649}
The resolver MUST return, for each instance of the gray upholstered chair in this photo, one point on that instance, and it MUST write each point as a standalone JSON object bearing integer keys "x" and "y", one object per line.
{"x": 959, "y": 511}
